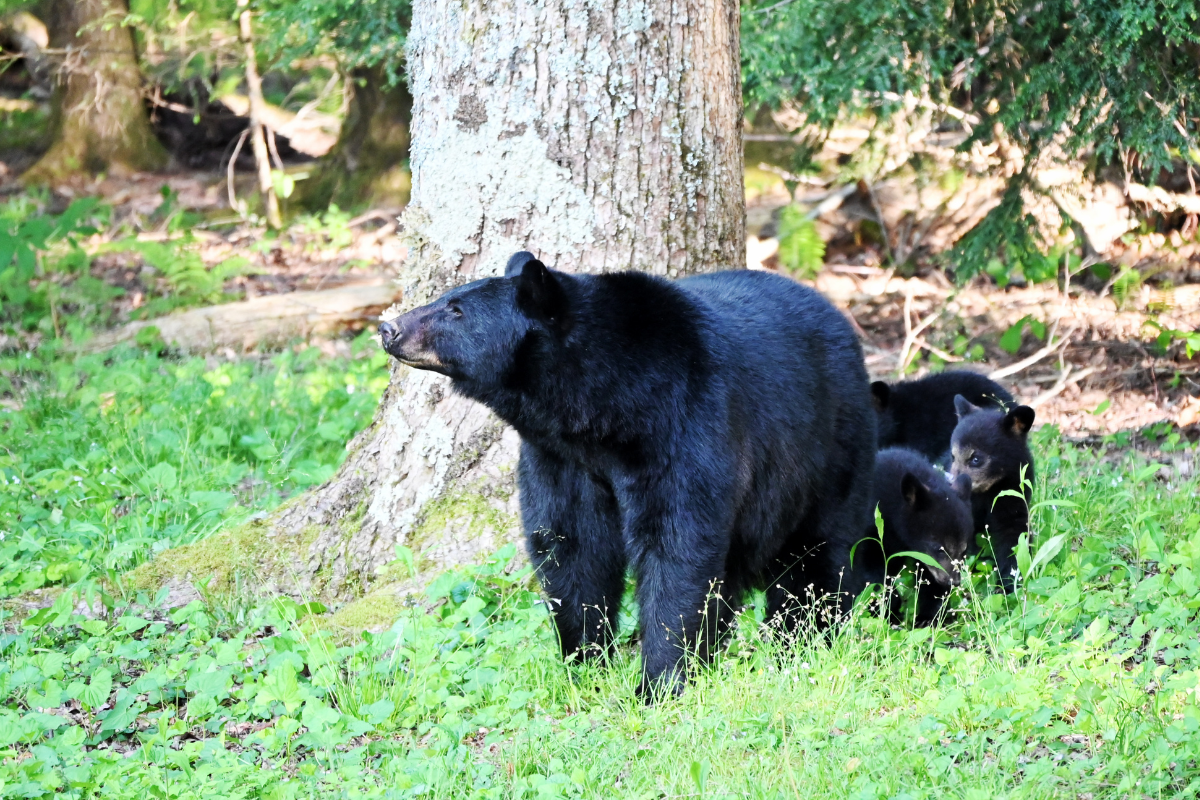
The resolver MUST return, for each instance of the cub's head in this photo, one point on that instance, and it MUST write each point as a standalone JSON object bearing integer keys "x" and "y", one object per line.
{"x": 885, "y": 418}
{"x": 474, "y": 333}
{"x": 937, "y": 521}
{"x": 989, "y": 445}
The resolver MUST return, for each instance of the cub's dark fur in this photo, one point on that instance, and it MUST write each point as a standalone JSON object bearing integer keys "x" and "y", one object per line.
{"x": 920, "y": 414}
{"x": 991, "y": 447}
{"x": 921, "y": 512}
{"x": 707, "y": 433}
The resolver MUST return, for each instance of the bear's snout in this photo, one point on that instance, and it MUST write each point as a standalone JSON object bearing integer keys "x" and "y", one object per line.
{"x": 405, "y": 339}
{"x": 388, "y": 333}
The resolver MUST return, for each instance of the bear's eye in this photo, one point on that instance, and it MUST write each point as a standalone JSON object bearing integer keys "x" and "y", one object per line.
{"x": 455, "y": 310}
{"x": 975, "y": 461}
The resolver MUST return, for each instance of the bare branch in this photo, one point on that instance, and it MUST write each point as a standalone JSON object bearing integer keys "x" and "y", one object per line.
{"x": 1067, "y": 378}
{"x": 1050, "y": 348}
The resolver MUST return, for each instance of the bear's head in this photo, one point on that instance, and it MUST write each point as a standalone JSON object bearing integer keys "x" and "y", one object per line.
{"x": 937, "y": 521}
{"x": 989, "y": 445}
{"x": 475, "y": 332}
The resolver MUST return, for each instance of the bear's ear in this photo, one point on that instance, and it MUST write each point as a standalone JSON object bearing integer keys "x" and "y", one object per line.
{"x": 962, "y": 487}
{"x": 539, "y": 293}
{"x": 915, "y": 493}
{"x": 880, "y": 393}
{"x": 517, "y": 262}
{"x": 1019, "y": 420}
{"x": 963, "y": 406}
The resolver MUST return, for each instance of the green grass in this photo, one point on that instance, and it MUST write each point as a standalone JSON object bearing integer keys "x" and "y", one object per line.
{"x": 1082, "y": 683}
{"x": 106, "y": 459}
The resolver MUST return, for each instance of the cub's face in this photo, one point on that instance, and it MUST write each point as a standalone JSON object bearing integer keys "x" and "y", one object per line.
{"x": 972, "y": 460}
{"x": 939, "y": 524}
{"x": 988, "y": 445}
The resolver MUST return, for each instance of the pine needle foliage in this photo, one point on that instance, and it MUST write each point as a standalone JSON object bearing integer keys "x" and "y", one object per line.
{"x": 1116, "y": 81}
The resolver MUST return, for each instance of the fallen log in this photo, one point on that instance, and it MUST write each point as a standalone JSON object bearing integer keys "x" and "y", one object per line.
{"x": 272, "y": 319}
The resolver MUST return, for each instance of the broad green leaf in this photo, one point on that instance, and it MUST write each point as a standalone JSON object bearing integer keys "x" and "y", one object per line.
{"x": 96, "y": 692}
{"x": 1046, "y": 553}
{"x": 378, "y": 712}
{"x": 1024, "y": 559}
{"x": 161, "y": 476}
{"x": 213, "y": 684}
{"x": 924, "y": 558}
{"x": 281, "y": 685}
{"x": 1010, "y": 340}
{"x": 207, "y": 502}
{"x": 699, "y": 771}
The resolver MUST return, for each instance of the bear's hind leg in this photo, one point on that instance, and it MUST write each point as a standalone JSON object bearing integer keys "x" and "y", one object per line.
{"x": 686, "y": 601}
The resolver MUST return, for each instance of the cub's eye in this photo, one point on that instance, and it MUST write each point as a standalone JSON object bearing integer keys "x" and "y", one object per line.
{"x": 455, "y": 310}
{"x": 975, "y": 461}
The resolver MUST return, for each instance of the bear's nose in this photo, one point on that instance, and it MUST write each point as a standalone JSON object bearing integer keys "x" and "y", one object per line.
{"x": 388, "y": 333}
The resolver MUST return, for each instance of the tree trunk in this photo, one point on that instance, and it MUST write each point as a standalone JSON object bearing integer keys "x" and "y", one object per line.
{"x": 100, "y": 121}
{"x": 600, "y": 137}
{"x": 368, "y": 165}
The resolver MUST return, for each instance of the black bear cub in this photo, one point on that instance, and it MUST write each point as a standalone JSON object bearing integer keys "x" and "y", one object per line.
{"x": 923, "y": 512}
{"x": 705, "y": 433}
{"x": 992, "y": 448}
{"x": 920, "y": 414}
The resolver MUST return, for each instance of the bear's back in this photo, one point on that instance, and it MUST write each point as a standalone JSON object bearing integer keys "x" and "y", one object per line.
{"x": 797, "y": 393}
{"x": 776, "y": 329}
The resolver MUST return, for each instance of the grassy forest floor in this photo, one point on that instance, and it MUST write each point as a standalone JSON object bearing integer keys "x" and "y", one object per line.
{"x": 1080, "y": 684}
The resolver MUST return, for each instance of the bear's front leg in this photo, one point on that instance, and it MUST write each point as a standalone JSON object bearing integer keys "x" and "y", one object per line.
{"x": 1006, "y": 519}
{"x": 573, "y": 536}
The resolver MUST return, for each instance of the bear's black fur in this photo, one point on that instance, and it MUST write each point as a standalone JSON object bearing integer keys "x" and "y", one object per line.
{"x": 920, "y": 414}
{"x": 707, "y": 433}
{"x": 921, "y": 512}
{"x": 991, "y": 447}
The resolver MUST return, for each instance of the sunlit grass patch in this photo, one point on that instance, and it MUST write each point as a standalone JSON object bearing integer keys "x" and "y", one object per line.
{"x": 109, "y": 458}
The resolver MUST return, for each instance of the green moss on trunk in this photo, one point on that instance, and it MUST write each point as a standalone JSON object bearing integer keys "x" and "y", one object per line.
{"x": 242, "y": 554}
{"x": 375, "y": 612}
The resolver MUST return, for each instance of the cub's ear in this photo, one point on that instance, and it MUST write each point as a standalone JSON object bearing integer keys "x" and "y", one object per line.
{"x": 880, "y": 394}
{"x": 915, "y": 493}
{"x": 962, "y": 488}
{"x": 1019, "y": 420}
{"x": 539, "y": 294}
{"x": 517, "y": 262}
{"x": 963, "y": 406}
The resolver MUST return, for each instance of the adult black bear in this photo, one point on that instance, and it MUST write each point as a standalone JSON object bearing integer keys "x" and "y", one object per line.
{"x": 992, "y": 448}
{"x": 920, "y": 414}
{"x": 708, "y": 433}
{"x": 922, "y": 512}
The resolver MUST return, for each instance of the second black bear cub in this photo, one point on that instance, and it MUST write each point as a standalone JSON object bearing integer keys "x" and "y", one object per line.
{"x": 920, "y": 414}
{"x": 923, "y": 512}
{"x": 992, "y": 448}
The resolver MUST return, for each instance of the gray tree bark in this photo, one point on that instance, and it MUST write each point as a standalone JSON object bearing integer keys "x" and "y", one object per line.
{"x": 600, "y": 136}
{"x": 100, "y": 121}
